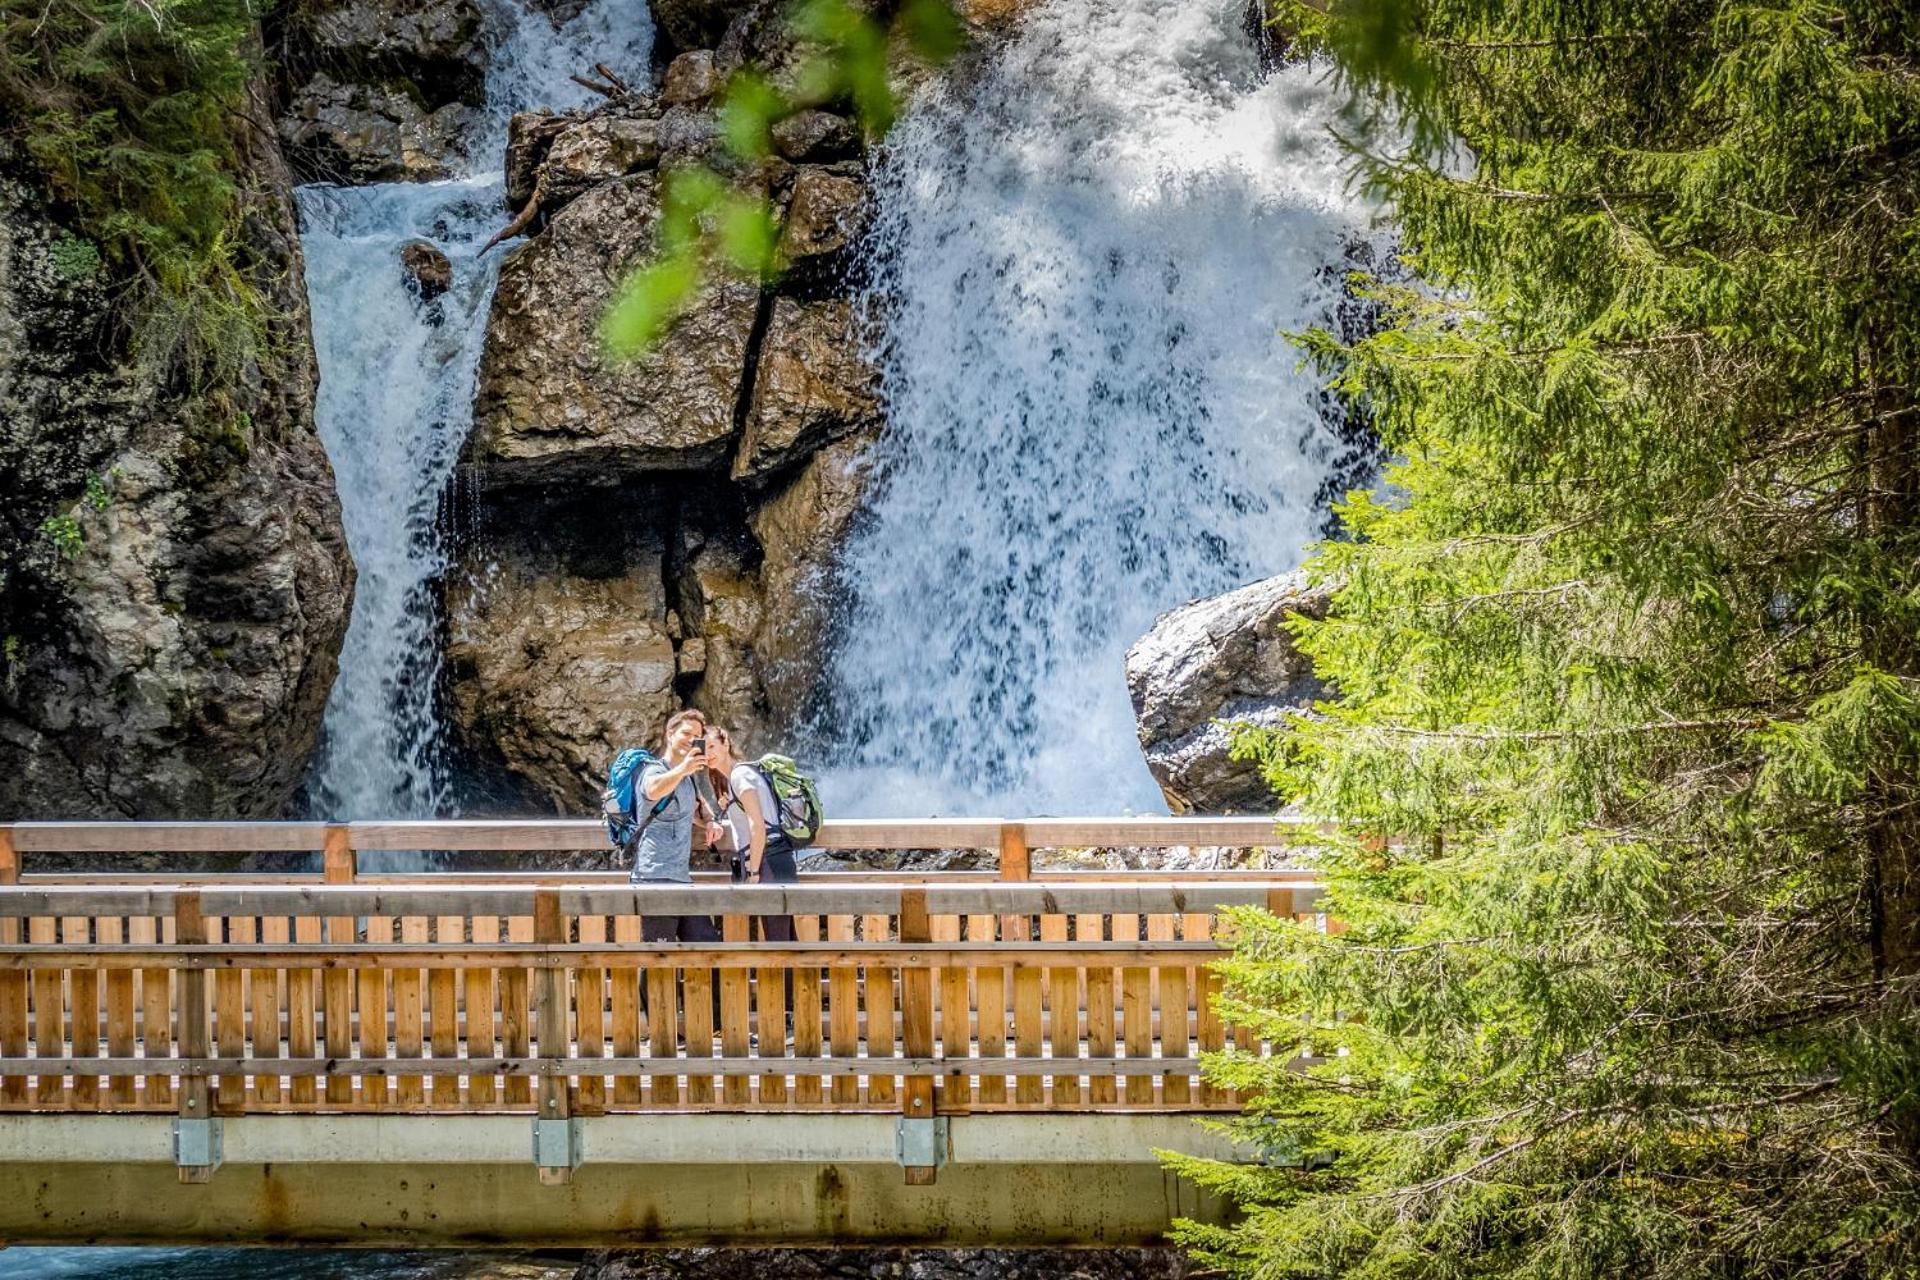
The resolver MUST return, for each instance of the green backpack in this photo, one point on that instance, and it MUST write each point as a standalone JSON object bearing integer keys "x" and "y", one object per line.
{"x": 795, "y": 795}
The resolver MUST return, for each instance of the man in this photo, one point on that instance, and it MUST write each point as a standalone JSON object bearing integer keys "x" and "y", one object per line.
{"x": 664, "y": 852}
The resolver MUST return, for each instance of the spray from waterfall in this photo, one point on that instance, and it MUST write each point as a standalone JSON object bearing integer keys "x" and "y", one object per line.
{"x": 397, "y": 373}
{"x": 1086, "y": 259}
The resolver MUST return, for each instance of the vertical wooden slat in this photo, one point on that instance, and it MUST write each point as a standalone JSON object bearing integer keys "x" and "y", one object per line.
{"x": 626, "y": 1012}
{"x": 1207, "y": 1027}
{"x": 443, "y": 1013}
{"x": 83, "y": 999}
{"x": 697, "y": 1013}
{"x": 13, "y": 985}
{"x": 516, "y": 1029}
{"x": 878, "y": 991}
{"x": 376, "y": 1092}
{"x": 956, "y": 1014}
{"x": 916, "y": 1020}
{"x": 49, "y": 1016}
{"x": 990, "y": 999}
{"x": 1028, "y": 1030}
{"x": 121, "y": 1034}
{"x": 553, "y": 1007}
{"x": 1136, "y": 1003}
{"x": 265, "y": 991}
{"x": 1015, "y": 864}
{"x": 483, "y": 1023}
{"x": 339, "y": 865}
{"x": 302, "y": 1009}
{"x": 409, "y": 1017}
{"x": 770, "y": 1003}
{"x": 663, "y": 1032}
{"x": 230, "y": 1019}
{"x": 1175, "y": 1032}
{"x": 843, "y": 1012}
{"x": 1101, "y": 1090}
{"x": 590, "y": 1020}
{"x": 1063, "y": 1015}
{"x": 736, "y": 1011}
{"x": 191, "y": 929}
{"x": 807, "y": 1090}
{"x": 156, "y": 1015}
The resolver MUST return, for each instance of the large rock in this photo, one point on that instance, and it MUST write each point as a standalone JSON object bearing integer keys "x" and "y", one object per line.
{"x": 595, "y": 151}
{"x": 552, "y": 408}
{"x": 379, "y": 90}
{"x": 1216, "y": 662}
{"x": 827, "y": 214}
{"x": 556, "y": 671}
{"x": 176, "y": 583}
{"x": 814, "y": 384}
{"x": 683, "y": 25}
{"x": 801, "y": 529}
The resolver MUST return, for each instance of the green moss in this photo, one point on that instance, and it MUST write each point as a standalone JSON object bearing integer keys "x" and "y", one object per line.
{"x": 74, "y": 258}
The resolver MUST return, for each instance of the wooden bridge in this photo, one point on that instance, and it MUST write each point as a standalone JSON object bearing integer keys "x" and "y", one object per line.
{"x": 453, "y": 1056}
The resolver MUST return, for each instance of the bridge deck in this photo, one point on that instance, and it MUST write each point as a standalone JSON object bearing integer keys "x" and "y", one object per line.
{"x": 211, "y": 998}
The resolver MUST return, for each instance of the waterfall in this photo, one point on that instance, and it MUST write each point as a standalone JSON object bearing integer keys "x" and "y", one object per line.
{"x": 1086, "y": 257}
{"x": 397, "y": 377}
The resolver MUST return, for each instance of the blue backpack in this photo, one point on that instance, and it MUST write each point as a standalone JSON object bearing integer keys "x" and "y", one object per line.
{"x": 618, "y": 801}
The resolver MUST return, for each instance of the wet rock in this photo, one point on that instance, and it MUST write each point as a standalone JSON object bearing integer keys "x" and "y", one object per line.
{"x": 801, "y": 529}
{"x": 694, "y": 24}
{"x": 584, "y": 155}
{"x": 813, "y": 384}
{"x": 364, "y": 133}
{"x": 1226, "y": 659}
{"x": 530, "y": 135}
{"x": 429, "y": 274}
{"x": 552, "y": 409}
{"x": 440, "y": 36}
{"x": 828, "y": 212}
{"x": 816, "y": 136}
{"x": 556, "y": 671}
{"x": 720, "y": 598}
{"x": 690, "y": 80}
{"x": 176, "y": 583}
{"x": 688, "y": 135}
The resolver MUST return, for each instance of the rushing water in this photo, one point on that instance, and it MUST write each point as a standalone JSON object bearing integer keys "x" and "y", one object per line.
{"x": 396, "y": 397}
{"x": 1086, "y": 259}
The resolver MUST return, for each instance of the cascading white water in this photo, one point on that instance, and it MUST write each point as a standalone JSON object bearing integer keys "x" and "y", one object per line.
{"x": 1086, "y": 259}
{"x": 396, "y": 395}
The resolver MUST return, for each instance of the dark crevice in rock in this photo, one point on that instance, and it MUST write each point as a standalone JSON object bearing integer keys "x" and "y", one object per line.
{"x": 750, "y": 365}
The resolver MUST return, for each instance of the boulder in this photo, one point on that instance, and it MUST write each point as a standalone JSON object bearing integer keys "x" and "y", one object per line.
{"x": 552, "y": 408}
{"x": 691, "y": 79}
{"x": 719, "y": 593}
{"x": 816, "y": 136}
{"x": 176, "y": 580}
{"x": 801, "y": 529}
{"x": 530, "y": 135}
{"x": 584, "y": 155}
{"x": 814, "y": 383}
{"x": 827, "y": 213}
{"x": 429, "y": 273}
{"x": 433, "y": 39}
{"x": 695, "y": 24}
{"x": 557, "y": 671}
{"x": 368, "y": 133}
{"x": 1214, "y": 662}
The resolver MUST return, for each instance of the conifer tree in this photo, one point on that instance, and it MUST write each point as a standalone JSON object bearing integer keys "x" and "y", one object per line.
{"x": 1627, "y": 651}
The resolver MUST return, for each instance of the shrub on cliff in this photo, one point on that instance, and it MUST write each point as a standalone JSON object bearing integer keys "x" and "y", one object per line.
{"x": 1629, "y": 654}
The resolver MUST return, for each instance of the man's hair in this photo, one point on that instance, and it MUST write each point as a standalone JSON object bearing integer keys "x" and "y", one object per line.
{"x": 675, "y": 720}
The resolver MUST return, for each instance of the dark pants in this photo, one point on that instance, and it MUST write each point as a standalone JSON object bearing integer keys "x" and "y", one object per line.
{"x": 679, "y": 929}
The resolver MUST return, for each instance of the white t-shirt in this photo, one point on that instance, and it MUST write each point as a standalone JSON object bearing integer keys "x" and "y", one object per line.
{"x": 745, "y": 780}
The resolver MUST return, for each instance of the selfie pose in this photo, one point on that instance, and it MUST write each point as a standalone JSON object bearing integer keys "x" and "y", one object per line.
{"x": 663, "y": 852}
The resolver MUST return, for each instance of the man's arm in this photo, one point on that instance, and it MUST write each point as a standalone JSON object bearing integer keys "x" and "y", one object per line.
{"x": 656, "y": 786}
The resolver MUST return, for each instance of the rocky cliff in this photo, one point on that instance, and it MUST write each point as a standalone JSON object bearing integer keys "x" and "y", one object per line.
{"x": 175, "y": 582}
{"x": 663, "y": 530}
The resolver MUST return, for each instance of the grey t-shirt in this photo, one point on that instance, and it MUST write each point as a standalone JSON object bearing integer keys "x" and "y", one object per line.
{"x": 745, "y": 778}
{"x": 665, "y": 849}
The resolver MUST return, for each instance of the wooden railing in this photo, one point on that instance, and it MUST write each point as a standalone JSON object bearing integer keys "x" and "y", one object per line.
{"x": 209, "y": 995}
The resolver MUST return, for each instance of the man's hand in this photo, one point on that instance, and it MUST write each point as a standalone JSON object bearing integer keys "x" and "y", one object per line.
{"x": 714, "y": 831}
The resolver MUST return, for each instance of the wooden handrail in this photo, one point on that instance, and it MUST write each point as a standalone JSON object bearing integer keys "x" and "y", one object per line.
{"x": 573, "y": 834}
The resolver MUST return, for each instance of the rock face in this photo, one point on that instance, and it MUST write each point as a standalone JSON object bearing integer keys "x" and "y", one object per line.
{"x": 378, "y": 90}
{"x": 1226, "y": 659}
{"x": 551, "y": 408}
{"x": 662, "y": 531}
{"x": 176, "y": 582}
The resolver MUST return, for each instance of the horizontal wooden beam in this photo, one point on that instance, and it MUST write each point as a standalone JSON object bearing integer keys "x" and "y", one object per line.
{"x": 573, "y": 834}
{"x": 539, "y": 955}
{"x": 695, "y": 1066}
{"x": 812, "y": 897}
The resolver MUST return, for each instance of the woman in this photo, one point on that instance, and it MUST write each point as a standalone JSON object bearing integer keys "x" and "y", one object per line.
{"x": 762, "y": 854}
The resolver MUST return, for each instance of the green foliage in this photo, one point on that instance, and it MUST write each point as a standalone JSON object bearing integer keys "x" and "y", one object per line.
{"x": 99, "y": 491}
{"x": 74, "y": 258}
{"x": 711, "y": 224}
{"x": 131, "y": 109}
{"x": 1628, "y": 652}
{"x": 65, "y": 533}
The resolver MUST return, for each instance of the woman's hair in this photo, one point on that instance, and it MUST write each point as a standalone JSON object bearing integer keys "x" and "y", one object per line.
{"x": 721, "y": 779}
